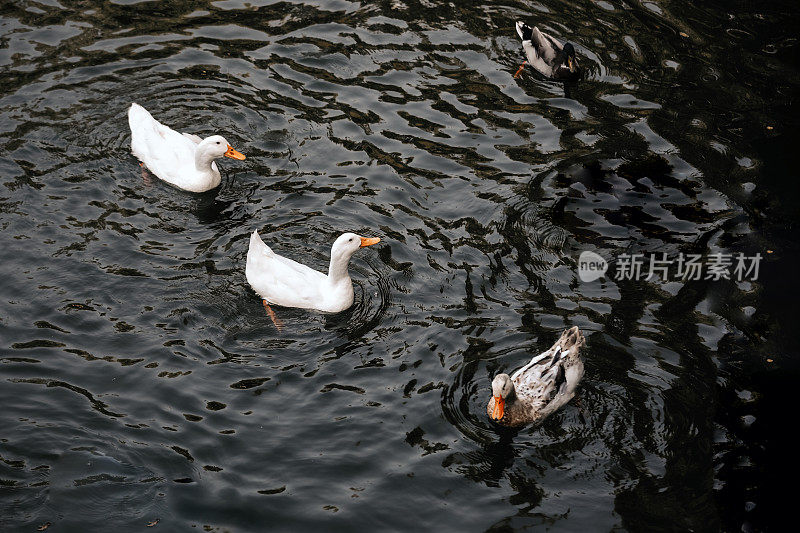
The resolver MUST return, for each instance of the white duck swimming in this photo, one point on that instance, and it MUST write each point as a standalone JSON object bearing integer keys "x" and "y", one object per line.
{"x": 547, "y": 55}
{"x": 281, "y": 281}
{"x": 537, "y": 389}
{"x": 182, "y": 159}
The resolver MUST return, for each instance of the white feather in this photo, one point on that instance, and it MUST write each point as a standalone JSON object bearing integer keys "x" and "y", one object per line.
{"x": 282, "y": 281}
{"x": 184, "y": 160}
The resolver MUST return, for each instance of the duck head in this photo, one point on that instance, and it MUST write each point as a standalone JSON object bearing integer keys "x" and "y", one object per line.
{"x": 348, "y": 243}
{"x": 214, "y": 147}
{"x": 566, "y": 63}
{"x": 343, "y": 249}
{"x": 502, "y": 389}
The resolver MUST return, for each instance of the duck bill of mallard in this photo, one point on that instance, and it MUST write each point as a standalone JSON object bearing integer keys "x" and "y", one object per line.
{"x": 233, "y": 154}
{"x": 499, "y": 407}
{"x": 571, "y": 64}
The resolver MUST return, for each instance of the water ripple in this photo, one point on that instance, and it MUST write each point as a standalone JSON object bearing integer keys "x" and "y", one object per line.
{"x": 143, "y": 380}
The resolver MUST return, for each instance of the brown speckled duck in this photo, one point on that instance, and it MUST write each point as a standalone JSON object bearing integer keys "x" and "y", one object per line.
{"x": 536, "y": 390}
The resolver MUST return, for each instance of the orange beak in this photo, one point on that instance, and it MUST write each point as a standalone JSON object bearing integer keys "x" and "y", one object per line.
{"x": 499, "y": 406}
{"x": 233, "y": 154}
{"x": 369, "y": 241}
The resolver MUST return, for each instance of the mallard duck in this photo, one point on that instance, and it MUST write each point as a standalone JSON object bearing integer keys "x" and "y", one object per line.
{"x": 281, "y": 281}
{"x": 547, "y": 55}
{"x": 182, "y": 159}
{"x": 537, "y": 389}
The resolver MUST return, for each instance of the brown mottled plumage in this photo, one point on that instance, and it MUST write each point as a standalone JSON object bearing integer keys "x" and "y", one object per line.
{"x": 542, "y": 386}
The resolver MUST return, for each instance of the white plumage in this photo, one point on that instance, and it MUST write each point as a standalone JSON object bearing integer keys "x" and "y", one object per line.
{"x": 181, "y": 159}
{"x": 281, "y": 281}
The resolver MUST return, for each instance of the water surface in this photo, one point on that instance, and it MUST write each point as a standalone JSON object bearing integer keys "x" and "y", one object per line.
{"x": 140, "y": 378}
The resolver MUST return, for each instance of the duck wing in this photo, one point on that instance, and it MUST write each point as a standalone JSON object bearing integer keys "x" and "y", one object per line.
{"x": 192, "y": 137}
{"x": 540, "y": 48}
{"x": 550, "y": 379}
{"x": 538, "y": 382}
{"x": 281, "y": 281}
{"x": 535, "y": 60}
{"x": 164, "y": 151}
{"x": 546, "y": 45}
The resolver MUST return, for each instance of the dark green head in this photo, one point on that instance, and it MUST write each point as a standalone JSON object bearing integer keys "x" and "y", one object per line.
{"x": 566, "y": 63}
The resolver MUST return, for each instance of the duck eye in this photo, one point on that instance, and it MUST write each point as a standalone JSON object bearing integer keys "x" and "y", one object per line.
{"x": 217, "y": 142}
{"x": 350, "y": 239}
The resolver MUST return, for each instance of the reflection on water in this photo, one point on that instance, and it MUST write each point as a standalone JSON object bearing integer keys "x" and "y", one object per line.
{"x": 141, "y": 379}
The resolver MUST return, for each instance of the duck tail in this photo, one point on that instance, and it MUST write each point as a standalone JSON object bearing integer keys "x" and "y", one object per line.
{"x": 258, "y": 257}
{"x": 258, "y": 247}
{"x": 137, "y": 114}
{"x": 571, "y": 362}
{"x": 524, "y": 31}
{"x": 571, "y": 342}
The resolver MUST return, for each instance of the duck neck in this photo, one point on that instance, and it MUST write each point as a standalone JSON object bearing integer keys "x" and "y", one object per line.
{"x": 203, "y": 160}
{"x": 511, "y": 399}
{"x": 337, "y": 270}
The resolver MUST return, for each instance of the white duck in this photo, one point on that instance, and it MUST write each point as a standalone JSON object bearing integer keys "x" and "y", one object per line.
{"x": 182, "y": 159}
{"x": 281, "y": 281}
{"x": 539, "y": 388}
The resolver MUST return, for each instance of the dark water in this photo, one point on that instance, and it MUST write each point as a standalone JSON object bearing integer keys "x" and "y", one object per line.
{"x": 142, "y": 380}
